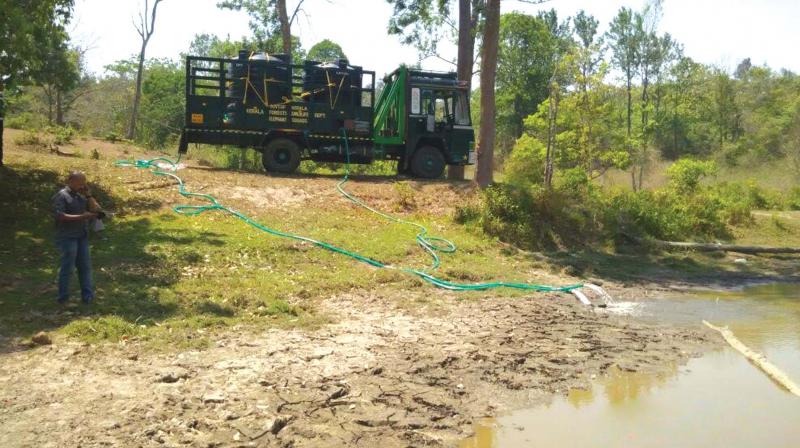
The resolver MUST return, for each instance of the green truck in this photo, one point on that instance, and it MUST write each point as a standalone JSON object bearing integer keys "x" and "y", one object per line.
{"x": 326, "y": 112}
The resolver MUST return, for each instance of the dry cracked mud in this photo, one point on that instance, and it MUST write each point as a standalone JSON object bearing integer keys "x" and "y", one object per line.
{"x": 383, "y": 375}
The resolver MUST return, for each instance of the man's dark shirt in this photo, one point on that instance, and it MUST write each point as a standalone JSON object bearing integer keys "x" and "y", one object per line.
{"x": 69, "y": 202}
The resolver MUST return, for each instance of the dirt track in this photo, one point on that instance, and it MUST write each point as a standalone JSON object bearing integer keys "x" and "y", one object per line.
{"x": 379, "y": 377}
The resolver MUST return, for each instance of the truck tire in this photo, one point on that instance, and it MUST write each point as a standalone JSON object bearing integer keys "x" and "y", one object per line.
{"x": 281, "y": 156}
{"x": 427, "y": 163}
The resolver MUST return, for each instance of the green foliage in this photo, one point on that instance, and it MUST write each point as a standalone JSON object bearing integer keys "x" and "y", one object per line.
{"x": 112, "y": 137}
{"x": 525, "y": 166}
{"x": 265, "y": 26}
{"x": 685, "y": 174}
{"x": 30, "y": 139}
{"x": 227, "y": 157}
{"x": 62, "y": 135}
{"x": 665, "y": 214}
{"x": 213, "y": 47}
{"x": 376, "y": 168}
{"x": 27, "y": 120}
{"x": 405, "y": 196}
{"x": 30, "y": 31}
{"x": 529, "y": 49}
{"x": 326, "y": 50}
{"x": 60, "y": 73}
{"x": 793, "y": 199}
{"x": 740, "y": 198}
{"x": 587, "y": 129}
{"x": 576, "y": 213}
{"x": 162, "y": 108}
{"x": 421, "y": 23}
{"x": 532, "y": 218}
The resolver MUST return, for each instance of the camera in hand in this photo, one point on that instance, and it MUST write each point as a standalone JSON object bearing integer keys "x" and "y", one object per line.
{"x": 101, "y": 215}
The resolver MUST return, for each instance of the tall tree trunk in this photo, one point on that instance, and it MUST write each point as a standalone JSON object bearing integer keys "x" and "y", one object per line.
{"x": 59, "y": 108}
{"x": 2, "y": 117}
{"x": 286, "y": 29}
{"x": 629, "y": 75}
{"x": 137, "y": 94}
{"x": 641, "y": 173}
{"x": 643, "y": 151}
{"x": 628, "y": 90}
{"x": 519, "y": 117}
{"x": 145, "y": 28}
{"x": 491, "y": 41}
{"x": 552, "y": 132}
{"x": 466, "y": 48}
{"x": 49, "y": 93}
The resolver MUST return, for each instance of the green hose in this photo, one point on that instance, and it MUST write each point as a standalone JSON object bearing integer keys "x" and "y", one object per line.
{"x": 431, "y": 244}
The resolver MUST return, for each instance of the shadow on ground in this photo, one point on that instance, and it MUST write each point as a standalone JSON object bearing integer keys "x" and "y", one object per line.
{"x": 124, "y": 271}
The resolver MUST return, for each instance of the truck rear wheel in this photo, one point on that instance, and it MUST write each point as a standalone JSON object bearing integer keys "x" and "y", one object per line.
{"x": 427, "y": 163}
{"x": 281, "y": 156}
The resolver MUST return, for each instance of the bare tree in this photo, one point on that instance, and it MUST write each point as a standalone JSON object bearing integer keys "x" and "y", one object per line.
{"x": 491, "y": 41}
{"x": 552, "y": 127}
{"x": 145, "y": 28}
{"x": 286, "y": 24}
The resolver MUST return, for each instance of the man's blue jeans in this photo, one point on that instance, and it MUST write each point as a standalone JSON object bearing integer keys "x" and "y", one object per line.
{"x": 75, "y": 253}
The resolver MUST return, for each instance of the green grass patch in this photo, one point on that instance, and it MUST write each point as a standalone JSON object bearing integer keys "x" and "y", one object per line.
{"x": 172, "y": 280}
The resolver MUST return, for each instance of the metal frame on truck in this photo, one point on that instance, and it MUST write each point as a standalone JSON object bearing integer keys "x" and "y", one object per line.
{"x": 291, "y": 112}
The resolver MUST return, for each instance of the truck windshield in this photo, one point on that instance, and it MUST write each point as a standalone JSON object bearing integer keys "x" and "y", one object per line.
{"x": 462, "y": 109}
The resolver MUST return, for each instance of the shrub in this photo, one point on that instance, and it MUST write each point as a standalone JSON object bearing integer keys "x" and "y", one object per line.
{"x": 30, "y": 139}
{"x": 525, "y": 166}
{"x": 62, "y": 135}
{"x": 405, "y": 196}
{"x": 793, "y": 199}
{"x": 25, "y": 120}
{"x": 685, "y": 174}
{"x": 738, "y": 214}
{"x": 738, "y": 199}
{"x": 573, "y": 180}
{"x": 664, "y": 214}
{"x": 533, "y": 218}
{"x": 571, "y": 216}
{"x": 112, "y": 137}
{"x": 376, "y": 168}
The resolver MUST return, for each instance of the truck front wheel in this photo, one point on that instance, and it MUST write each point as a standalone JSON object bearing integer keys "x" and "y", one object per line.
{"x": 427, "y": 163}
{"x": 281, "y": 156}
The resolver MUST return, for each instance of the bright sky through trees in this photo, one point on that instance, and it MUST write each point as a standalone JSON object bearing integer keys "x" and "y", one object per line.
{"x": 713, "y": 31}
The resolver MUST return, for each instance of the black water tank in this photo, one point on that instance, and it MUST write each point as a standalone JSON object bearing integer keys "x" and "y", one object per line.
{"x": 334, "y": 83}
{"x": 258, "y": 68}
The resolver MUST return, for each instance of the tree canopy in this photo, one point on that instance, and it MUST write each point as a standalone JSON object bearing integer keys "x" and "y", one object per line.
{"x": 326, "y": 50}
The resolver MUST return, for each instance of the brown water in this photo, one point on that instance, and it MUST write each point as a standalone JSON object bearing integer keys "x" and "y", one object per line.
{"x": 719, "y": 400}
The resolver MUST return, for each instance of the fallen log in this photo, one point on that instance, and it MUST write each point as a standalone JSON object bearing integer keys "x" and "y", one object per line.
{"x": 757, "y": 359}
{"x": 713, "y": 247}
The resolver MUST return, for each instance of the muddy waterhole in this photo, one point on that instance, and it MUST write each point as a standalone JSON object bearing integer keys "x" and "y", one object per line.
{"x": 719, "y": 399}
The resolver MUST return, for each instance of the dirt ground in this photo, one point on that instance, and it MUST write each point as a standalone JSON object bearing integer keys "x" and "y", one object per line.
{"x": 385, "y": 374}
{"x": 381, "y": 376}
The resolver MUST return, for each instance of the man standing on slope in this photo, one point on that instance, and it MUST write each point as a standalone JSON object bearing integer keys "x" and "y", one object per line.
{"x": 70, "y": 208}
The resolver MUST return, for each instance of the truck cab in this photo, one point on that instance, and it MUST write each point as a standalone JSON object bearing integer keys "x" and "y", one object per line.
{"x": 434, "y": 128}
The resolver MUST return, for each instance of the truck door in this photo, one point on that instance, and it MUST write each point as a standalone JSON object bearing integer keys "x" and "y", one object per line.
{"x": 421, "y": 119}
{"x": 443, "y": 123}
